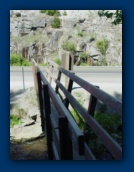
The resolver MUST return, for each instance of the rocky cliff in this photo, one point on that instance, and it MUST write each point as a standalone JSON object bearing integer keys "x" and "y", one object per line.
{"x": 32, "y": 36}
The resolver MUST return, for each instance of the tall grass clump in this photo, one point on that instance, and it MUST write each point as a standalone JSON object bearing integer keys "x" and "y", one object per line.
{"x": 14, "y": 120}
{"x": 56, "y": 23}
{"x": 103, "y": 45}
{"x": 69, "y": 46}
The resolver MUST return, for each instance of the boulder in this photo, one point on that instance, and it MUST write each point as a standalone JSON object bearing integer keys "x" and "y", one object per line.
{"x": 39, "y": 23}
{"x": 25, "y": 133}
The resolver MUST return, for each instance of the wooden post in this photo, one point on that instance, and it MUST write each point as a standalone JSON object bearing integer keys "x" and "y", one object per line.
{"x": 40, "y": 100}
{"x": 47, "y": 107}
{"x": 66, "y": 149}
{"x": 23, "y": 79}
{"x": 67, "y": 63}
{"x": 58, "y": 78}
{"x": 70, "y": 85}
{"x": 92, "y": 104}
{"x": 34, "y": 68}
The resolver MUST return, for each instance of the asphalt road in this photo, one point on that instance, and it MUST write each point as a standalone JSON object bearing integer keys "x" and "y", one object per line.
{"x": 107, "y": 78}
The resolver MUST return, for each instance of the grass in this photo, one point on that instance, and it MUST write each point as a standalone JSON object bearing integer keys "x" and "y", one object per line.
{"x": 84, "y": 55}
{"x": 58, "y": 61}
{"x": 64, "y": 13}
{"x": 111, "y": 122}
{"x": 56, "y": 23}
{"x": 14, "y": 120}
{"x": 26, "y": 40}
{"x": 18, "y": 60}
{"x": 83, "y": 64}
{"x": 51, "y": 12}
{"x": 69, "y": 46}
{"x": 102, "y": 45}
{"x": 80, "y": 34}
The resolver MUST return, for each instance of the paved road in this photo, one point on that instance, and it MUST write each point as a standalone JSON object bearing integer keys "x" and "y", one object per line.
{"x": 108, "y": 78}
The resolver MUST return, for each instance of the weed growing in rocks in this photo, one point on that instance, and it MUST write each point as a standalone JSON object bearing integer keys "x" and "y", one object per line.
{"x": 103, "y": 45}
{"x": 14, "y": 120}
{"x": 56, "y": 23}
{"x": 69, "y": 46}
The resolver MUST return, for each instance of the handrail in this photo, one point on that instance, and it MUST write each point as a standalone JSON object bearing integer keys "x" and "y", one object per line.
{"x": 63, "y": 112}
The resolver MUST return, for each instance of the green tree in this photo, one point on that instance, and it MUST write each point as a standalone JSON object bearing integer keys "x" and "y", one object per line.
{"x": 116, "y": 15}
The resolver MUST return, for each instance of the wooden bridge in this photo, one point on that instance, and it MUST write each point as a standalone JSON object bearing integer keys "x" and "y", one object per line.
{"x": 65, "y": 140}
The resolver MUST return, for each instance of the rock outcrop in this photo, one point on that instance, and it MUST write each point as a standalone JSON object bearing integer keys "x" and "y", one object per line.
{"x": 33, "y": 37}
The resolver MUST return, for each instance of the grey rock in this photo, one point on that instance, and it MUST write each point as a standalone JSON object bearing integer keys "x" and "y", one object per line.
{"x": 81, "y": 20}
{"x": 53, "y": 43}
{"x": 27, "y": 133}
{"x": 69, "y": 23}
{"x": 96, "y": 57}
{"x": 93, "y": 51}
{"x": 27, "y": 122}
{"x": 39, "y": 23}
{"x": 81, "y": 46}
{"x": 33, "y": 112}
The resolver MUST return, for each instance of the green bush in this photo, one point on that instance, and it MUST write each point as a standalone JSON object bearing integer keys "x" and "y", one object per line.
{"x": 110, "y": 122}
{"x": 69, "y": 46}
{"x": 64, "y": 13}
{"x": 15, "y": 120}
{"x": 103, "y": 46}
{"x": 56, "y": 23}
{"x": 51, "y": 12}
{"x": 43, "y": 11}
{"x": 17, "y": 60}
{"x": 80, "y": 34}
{"x": 84, "y": 55}
{"x": 58, "y": 61}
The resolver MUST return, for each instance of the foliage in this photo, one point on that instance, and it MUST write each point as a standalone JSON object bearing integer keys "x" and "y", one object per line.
{"x": 80, "y": 34}
{"x": 26, "y": 39}
{"x": 116, "y": 16}
{"x": 64, "y": 13}
{"x": 42, "y": 64}
{"x": 43, "y": 11}
{"x": 58, "y": 61}
{"x": 102, "y": 62}
{"x": 84, "y": 55}
{"x": 110, "y": 122}
{"x": 56, "y": 23}
{"x": 17, "y": 60}
{"x": 102, "y": 45}
{"x": 83, "y": 64}
{"x": 69, "y": 46}
{"x": 51, "y": 12}
{"x": 79, "y": 120}
{"x": 14, "y": 120}
{"x": 93, "y": 35}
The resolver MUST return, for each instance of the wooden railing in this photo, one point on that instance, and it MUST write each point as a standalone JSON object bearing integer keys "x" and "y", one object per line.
{"x": 64, "y": 138}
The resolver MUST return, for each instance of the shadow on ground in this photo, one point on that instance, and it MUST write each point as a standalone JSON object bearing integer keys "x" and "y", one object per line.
{"x": 14, "y": 96}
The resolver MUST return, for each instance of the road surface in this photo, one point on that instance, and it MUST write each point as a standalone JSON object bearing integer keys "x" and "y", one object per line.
{"x": 108, "y": 79}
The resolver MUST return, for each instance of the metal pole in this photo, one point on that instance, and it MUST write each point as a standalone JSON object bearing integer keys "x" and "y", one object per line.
{"x": 23, "y": 78}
